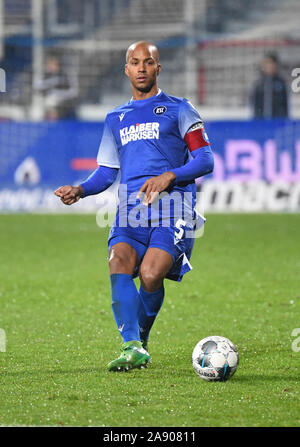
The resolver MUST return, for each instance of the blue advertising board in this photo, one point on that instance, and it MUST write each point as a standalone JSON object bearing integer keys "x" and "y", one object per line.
{"x": 36, "y": 158}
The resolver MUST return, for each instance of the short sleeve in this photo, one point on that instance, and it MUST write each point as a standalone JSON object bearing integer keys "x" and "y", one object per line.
{"x": 187, "y": 116}
{"x": 108, "y": 154}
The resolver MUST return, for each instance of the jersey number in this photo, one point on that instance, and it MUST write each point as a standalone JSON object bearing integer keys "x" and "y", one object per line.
{"x": 179, "y": 225}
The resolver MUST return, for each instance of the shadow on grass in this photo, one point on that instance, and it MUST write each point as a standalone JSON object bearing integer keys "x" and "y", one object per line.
{"x": 52, "y": 372}
{"x": 247, "y": 379}
{"x": 255, "y": 378}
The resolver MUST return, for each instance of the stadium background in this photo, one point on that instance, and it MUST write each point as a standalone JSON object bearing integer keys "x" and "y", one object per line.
{"x": 210, "y": 53}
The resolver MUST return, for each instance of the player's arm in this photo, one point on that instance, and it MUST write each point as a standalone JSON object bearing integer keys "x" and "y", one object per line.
{"x": 191, "y": 128}
{"x": 68, "y": 194}
{"x": 154, "y": 185}
{"x": 101, "y": 179}
{"x": 202, "y": 162}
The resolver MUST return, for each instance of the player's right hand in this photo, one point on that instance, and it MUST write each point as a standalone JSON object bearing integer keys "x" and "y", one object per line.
{"x": 69, "y": 194}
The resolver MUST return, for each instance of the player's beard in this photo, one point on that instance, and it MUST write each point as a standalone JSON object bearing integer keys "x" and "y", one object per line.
{"x": 146, "y": 88}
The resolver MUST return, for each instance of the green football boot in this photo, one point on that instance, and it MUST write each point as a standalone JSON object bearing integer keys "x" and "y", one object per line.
{"x": 133, "y": 355}
{"x": 145, "y": 344}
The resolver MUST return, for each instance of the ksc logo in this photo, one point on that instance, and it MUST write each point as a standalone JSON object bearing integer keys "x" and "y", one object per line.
{"x": 159, "y": 110}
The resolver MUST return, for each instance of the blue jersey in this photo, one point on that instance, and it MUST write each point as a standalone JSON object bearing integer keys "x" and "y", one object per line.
{"x": 145, "y": 138}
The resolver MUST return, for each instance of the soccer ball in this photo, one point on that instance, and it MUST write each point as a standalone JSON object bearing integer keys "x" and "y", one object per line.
{"x": 215, "y": 358}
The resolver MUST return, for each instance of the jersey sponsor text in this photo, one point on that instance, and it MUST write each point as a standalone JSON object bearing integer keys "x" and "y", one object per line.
{"x": 141, "y": 131}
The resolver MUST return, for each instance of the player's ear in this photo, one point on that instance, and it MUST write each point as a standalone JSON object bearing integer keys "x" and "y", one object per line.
{"x": 126, "y": 69}
{"x": 158, "y": 69}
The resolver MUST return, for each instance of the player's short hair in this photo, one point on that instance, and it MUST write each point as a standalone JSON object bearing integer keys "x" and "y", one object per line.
{"x": 144, "y": 42}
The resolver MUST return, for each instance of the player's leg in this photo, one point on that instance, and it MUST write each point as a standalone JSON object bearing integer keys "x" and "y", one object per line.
{"x": 123, "y": 261}
{"x": 154, "y": 267}
{"x": 167, "y": 256}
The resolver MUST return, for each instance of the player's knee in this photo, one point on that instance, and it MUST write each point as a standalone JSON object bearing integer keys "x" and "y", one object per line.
{"x": 115, "y": 263}
{"x": 151, "y": 279}
{"x": 122, "y": 260}
{"x": 119, "y": 264}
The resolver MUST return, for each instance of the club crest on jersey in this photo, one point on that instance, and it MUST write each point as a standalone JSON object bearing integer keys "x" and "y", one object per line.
{"x": 139, "y": 131}
{"x": 159, "y": 110}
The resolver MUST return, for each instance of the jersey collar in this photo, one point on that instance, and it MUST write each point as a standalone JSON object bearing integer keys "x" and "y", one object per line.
{"x": 147, "y": 99}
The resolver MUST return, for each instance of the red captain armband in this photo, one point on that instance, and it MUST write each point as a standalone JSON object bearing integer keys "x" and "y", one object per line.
{"x": 196, "y": 137}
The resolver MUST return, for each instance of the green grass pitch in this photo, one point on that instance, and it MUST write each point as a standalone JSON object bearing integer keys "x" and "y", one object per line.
{"x": 55, "y": 311}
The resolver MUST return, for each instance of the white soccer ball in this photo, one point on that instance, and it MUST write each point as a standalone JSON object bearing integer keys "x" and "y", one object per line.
{"x": 215, "y": 358}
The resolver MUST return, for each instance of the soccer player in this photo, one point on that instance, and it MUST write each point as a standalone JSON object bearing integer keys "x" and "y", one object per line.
{"x": 158, "y": 143}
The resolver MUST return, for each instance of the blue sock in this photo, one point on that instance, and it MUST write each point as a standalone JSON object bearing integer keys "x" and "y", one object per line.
{"x": 125, "y": 304}
{"x": 150, "y": 304}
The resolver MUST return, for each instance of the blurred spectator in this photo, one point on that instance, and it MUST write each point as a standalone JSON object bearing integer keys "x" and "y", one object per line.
{"x": 60, "y": 90}
{"x": 269, "y": 96}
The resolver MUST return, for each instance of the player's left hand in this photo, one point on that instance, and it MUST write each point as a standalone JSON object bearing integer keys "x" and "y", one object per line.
{"x": 69, "y": 194}
{"x": 154, "y": 185}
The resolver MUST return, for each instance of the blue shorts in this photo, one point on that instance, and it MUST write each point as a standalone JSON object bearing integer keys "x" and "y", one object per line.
{"x": 171, "y": 239}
